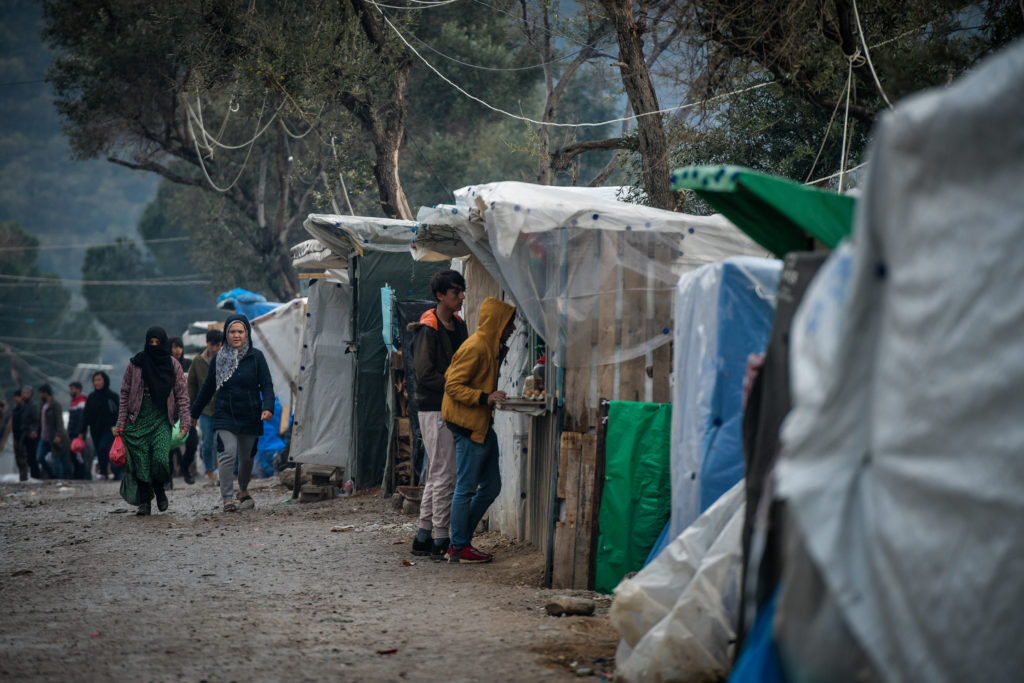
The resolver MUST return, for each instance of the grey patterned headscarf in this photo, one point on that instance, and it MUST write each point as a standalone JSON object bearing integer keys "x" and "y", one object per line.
{"x": 229, "y": 357}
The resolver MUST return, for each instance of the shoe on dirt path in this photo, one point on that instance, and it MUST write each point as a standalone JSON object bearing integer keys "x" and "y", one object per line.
{"x": 467, "y": 555}
{"x": 246, "y": 503}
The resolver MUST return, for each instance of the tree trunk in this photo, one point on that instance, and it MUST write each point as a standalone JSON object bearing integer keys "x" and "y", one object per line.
{"x": 636, "y": 79}
{"x": 385, "y": 171}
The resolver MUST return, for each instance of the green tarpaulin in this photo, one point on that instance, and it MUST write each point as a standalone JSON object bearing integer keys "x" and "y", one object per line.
{"x": 410, "y": 280}
{"x": 776, "y": 213}
{"x": 637, "y": 497}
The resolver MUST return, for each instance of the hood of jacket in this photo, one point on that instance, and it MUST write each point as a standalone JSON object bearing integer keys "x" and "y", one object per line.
{"x": 494, "y": 316}
{"x": 248, "y": 331}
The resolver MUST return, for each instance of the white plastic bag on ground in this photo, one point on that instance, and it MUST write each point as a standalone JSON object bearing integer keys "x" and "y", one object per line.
{"x": 679, "y": 613}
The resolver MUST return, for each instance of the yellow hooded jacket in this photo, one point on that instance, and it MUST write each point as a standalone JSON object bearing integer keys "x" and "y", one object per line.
{"x": 473, "y": 373}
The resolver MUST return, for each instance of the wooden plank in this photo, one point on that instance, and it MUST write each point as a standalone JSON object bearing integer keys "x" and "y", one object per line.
{"x": 479, "y": 285}
{"x": 313, "y": 276}
{"x": 632, "y": 373}
{"x": 599, "y": 470}
{"x": 583, "y": 556}
{"x": 608, "y": 323}
{"x": 562, "y": 561}
{"x": 572, "y": 445}
{"x": 661, "y": 366}
{"x": 563, "y": 557}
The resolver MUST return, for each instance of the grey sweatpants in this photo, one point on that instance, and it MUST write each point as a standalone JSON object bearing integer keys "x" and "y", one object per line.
{"x": 240, "y": 446}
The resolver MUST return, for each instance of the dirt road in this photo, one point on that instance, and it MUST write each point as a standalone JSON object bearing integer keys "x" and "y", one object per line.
{"x": 284, "y": 592}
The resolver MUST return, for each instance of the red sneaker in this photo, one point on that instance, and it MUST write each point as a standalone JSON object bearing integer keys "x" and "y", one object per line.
{"x": 468, "y": 555}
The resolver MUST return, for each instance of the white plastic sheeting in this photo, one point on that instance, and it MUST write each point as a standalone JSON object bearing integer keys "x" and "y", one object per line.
{"x": 279, "y": 335}
{"x": 324, "y": 429}
{"x": 717, "y": 326}
{"x": 314, "y": 255}
{"x": 678, "y": 614}
{"x": 564, "y": 253}
{"x": 346, "y": 236}
{"x": 904, "y": 451}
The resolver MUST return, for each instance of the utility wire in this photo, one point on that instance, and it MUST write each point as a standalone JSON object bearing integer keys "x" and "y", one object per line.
{"x": 49, "y": 247}
{"x": 21, "y": 280}
{"x": 491, "y": 68}
{"x": 560, "y": 125}
{"x": 867, "y": 55}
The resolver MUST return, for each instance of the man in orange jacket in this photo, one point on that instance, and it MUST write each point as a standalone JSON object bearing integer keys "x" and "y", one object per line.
{"x": 470, "y": 393}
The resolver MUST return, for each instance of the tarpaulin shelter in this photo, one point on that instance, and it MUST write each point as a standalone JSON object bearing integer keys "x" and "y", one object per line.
{"x": 595, "y": 278}
{"x": 724, "y": 313}
{"x": 903, "y": 464}
{"x": 250, "y": 304}
{"x": 376, "y": 251}
{"x": 777, "y": 213}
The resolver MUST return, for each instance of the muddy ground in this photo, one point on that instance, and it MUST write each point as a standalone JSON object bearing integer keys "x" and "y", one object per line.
{"x": 287, "y": 591}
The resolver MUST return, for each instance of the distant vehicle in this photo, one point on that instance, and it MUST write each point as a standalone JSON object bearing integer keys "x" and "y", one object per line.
{"x": 84, "y": 371}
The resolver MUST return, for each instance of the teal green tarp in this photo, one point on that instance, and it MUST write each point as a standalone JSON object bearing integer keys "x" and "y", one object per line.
{"x": 637, "y": 497}
{"x": 777, "y": 213}
{"x": 410, "y": 280}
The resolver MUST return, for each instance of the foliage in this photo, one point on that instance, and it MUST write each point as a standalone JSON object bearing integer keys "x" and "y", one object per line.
{"x": 50, "y": 196}
{"x": 809, "y": 50}
{"x": 40, "y": 340}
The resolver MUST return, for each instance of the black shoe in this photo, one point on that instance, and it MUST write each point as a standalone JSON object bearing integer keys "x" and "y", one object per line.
{"x": 439, "y": 548}
{"x": 189, "y": 479}
{"x": 170, "y": 483}
{"x": 161, "y": 500}
{"x": 144, "y": 510}
{"x": 421, "y": 548}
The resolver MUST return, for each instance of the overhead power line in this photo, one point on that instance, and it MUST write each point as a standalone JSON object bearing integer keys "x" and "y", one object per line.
{"x": 552, "y": 124}
{"x": 89, "y": 245}
{"x": 155, "y": 282}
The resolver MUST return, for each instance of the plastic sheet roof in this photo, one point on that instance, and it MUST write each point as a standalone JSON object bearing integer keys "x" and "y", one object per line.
{"x": 571, "y": 256}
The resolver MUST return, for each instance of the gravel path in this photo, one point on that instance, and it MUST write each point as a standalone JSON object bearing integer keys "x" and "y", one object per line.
{"x": 284, "y": 592}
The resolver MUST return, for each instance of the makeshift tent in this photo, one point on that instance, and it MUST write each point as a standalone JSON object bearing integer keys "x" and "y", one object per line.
{"x": 595, "y": 278}
{"x": 377, "y": 253}
{"x": 323, "y": 431}
{"x": 545, "y": 242}
{"x": 777, "y": 213}
{"x": 903, "y": 459}
{"x": 279, "y": 334}
{"x": 723, "y": 314}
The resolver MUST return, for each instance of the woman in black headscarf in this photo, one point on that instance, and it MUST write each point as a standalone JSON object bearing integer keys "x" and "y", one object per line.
{"x": 153, "y": 395}
{"x": 240, "y": 377}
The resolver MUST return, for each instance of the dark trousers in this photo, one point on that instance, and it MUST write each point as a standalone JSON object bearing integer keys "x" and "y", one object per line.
{"x": 29, "y": 446}
{"x": 21, "y": 459}
{"x": 102, "y": 446}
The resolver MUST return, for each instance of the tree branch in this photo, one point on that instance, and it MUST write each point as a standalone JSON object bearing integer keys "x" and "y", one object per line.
{"x": 561, "y": 158}
{"x": 159, "y": 169}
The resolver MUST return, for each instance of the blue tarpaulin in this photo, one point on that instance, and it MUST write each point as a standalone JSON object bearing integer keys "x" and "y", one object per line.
{"x": 724, "y": 313}
{"x": 250, "y": 304}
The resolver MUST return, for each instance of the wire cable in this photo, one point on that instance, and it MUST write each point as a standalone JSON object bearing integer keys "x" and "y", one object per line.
{"x": 493, "y": 68}
{"x": 87, "y": 245}
{"x": 867, "y": 55}
{"x": 560, "y": 125}
{"x": 21, "y": 280}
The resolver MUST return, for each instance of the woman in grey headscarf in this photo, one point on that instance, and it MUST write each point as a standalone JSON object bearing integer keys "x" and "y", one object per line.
{"x": 240, "y": 377}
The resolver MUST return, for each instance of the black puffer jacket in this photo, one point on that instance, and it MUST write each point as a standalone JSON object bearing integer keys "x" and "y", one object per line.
{"x": 432, "y": 352}
{"x": 244, "y": 396}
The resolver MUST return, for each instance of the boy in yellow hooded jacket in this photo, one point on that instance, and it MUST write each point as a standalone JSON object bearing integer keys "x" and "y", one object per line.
{"x": 470, "y": 393}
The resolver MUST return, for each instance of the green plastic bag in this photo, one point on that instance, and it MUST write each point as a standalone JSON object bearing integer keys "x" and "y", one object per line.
{"x": 178, "y": 435}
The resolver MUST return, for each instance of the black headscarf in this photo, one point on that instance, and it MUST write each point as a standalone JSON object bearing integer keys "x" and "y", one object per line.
{"x": 156, "y": 366}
